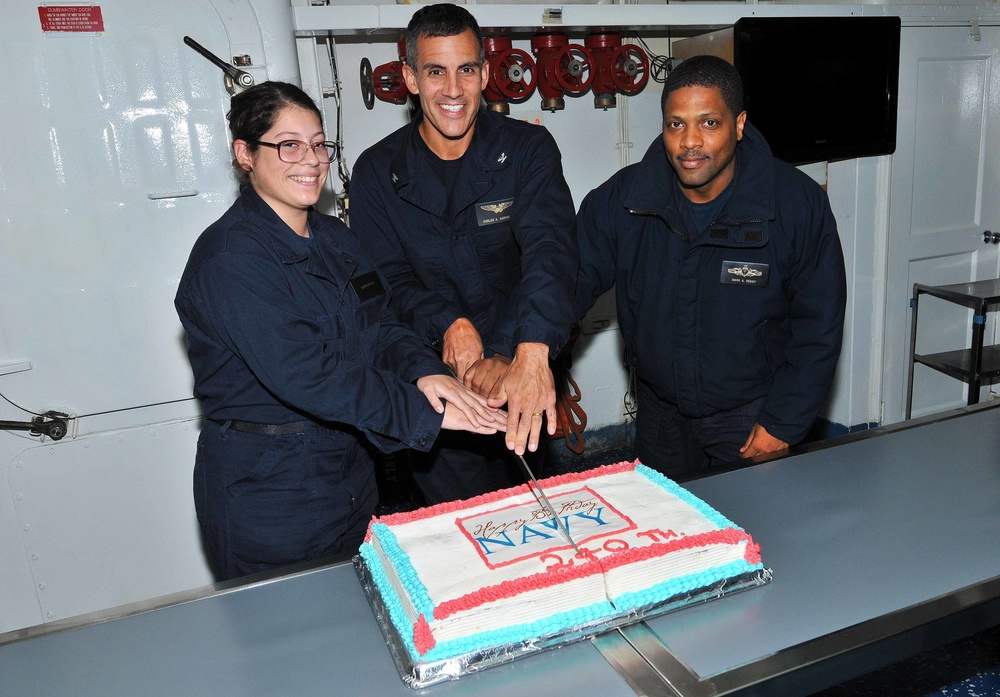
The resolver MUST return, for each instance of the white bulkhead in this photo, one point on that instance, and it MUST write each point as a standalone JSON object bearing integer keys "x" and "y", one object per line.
{"x": 114, "y": 158}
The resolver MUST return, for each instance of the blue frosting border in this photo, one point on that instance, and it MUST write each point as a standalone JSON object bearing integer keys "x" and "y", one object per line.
{"x": 671, "y": 486}
{"x": 408, "y": 577}
{"x": 548, "y": 626}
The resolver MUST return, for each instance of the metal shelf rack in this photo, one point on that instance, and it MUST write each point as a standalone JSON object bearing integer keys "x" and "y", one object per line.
{"x": 975, "y": 365}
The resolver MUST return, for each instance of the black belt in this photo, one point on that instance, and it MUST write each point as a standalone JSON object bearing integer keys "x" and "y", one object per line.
{"x": 272, "y": 429}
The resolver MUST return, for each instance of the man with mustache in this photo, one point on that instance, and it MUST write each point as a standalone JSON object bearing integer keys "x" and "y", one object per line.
{"x": 729, "y": 280}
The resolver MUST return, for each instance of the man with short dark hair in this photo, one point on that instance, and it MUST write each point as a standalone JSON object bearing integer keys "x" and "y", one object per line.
{"x": 729, "y": 280}
{"x": 467, "y": 213}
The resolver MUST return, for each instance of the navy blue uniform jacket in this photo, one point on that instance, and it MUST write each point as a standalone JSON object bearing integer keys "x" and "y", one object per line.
{"x": 278, "y": 333}
{"x": 708, "y": 345}
{"x": 505, "y": 255}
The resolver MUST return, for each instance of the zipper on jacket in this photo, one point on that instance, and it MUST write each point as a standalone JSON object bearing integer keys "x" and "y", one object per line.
{"x": 746, "y": 222}
{"x": 670, "y": 227}
{"x": 662, "y": 217}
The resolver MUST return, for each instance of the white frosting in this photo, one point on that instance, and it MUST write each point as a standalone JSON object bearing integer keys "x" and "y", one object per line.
{"x": 500, "y": 545}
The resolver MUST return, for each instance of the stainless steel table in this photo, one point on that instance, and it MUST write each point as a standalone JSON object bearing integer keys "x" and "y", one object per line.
{"x": 883, "y": 545}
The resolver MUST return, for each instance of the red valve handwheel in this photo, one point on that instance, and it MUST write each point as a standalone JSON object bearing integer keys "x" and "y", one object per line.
{"x": 367, "y": 84}
{"x": 630, "y": 69}
{"x": 572, "y": 68}
{"x": 513, "y": 73}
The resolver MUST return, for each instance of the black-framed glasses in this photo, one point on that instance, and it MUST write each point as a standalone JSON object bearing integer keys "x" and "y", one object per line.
{"x": 294, "y": 151}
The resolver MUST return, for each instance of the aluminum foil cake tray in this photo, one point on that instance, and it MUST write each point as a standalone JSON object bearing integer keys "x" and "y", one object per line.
{"x": 419, "y": 674}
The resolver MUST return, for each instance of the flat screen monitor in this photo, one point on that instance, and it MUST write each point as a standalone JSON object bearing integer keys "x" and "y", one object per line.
{"x": 820, "y": 88}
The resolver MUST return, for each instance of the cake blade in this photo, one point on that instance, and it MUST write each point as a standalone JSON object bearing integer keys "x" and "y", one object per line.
{"x": 560, "y": 523}
{"x": 544, "y": 501}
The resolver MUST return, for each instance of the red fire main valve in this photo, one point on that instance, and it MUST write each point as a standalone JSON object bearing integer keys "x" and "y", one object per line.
{"x": 386, "y": 81}
{"x": 512, "y": 74}
{"x": 562, "y": 67}
{"x": 617, "y": 68}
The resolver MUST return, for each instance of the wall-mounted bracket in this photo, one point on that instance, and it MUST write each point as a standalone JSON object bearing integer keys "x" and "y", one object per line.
{"x": 51, "y": 424}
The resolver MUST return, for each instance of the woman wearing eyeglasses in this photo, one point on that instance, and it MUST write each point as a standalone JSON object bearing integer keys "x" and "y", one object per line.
{"x": 299, "y": 367}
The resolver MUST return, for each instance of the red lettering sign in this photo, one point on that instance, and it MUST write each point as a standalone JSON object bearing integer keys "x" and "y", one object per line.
{"x": 71, "y": 18}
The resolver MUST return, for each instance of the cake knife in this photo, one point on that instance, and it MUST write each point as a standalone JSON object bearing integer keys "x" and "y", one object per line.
{"x": 546, "y": 504}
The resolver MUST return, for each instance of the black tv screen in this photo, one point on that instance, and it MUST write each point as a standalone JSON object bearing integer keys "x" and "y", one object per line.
{"x": 820, "y": 88}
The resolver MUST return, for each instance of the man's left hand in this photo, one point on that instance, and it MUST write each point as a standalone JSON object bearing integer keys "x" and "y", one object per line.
{"x": 462, "y": 346}
{"x": 759, "y": 442}
{"x": 483, "y": 375}
{"x": 529, "y": 392}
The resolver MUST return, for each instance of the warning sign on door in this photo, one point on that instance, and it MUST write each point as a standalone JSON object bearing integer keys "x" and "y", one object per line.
{"x": 71, "y": 18}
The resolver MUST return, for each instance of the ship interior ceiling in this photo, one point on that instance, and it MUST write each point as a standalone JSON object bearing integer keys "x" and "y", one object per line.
{"x": 122, "y": 158}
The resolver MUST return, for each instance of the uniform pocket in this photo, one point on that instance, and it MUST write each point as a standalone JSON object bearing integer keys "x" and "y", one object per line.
{"x": 368, "y": 314}
{"x": 773, "y": 338}
{"x": 270, "y": 508}
{"x": 333, "y": 334}
{"x": 499, "y": 256}
{"x": 426, "y": 260}
{"x": 258, "y": 457}
{"x": 368, "y": 322}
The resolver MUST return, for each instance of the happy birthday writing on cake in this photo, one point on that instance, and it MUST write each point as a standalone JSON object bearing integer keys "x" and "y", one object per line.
{"x": 518, "y": 531}
{"x": 579, "y": 507}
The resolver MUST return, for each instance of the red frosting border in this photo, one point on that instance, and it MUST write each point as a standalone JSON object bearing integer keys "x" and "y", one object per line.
{"x": 423, "y": 638}
{"x": 452, "y": 506}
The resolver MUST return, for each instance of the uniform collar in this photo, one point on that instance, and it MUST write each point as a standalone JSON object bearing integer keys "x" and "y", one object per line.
{"x": 655, "y": 186}
{"x": 489, "y": 150}
{"x": 326, "y": 258}
{"x": 287, "y": 245}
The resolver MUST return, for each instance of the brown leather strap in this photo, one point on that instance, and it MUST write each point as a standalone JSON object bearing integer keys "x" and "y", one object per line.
{"x": 571, "y": 418}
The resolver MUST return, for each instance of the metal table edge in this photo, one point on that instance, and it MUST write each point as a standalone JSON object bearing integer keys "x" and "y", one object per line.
{"x": 172, "y": 599}
{"x": 637, "y": 653}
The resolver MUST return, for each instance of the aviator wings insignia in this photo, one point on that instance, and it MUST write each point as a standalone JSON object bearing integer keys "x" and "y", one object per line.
{"x": 497, "y": 207}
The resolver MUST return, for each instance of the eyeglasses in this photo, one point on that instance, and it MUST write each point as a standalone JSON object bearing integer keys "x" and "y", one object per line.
{"x": 294, "y": 151}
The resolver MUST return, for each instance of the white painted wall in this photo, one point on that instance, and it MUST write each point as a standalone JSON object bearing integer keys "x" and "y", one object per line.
{"x": 858, "y": 191}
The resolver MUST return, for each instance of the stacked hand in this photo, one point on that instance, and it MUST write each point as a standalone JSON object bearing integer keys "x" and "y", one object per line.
{"x": 524, "y": 384}
{"x": 528, "y": 390}
{"x": 463, "y": 409}
{"x": 485, "y": 374}
{"x": 462, "y": 347}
